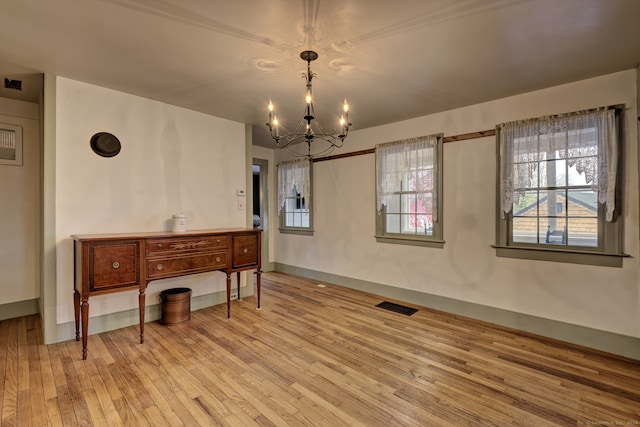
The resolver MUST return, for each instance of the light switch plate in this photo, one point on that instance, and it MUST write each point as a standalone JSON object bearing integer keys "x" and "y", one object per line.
{"x": 240, "y": 192}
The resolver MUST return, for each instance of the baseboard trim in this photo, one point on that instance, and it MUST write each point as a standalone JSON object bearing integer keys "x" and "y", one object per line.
{"x": 19, "y": 309}
{"x": 122, "y": 319}
{"x": 269, "y": 266}
{"x": 575, "y": 334}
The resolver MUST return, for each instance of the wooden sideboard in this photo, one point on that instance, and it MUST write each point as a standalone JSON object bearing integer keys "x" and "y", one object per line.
{"x": 107, "y": 263}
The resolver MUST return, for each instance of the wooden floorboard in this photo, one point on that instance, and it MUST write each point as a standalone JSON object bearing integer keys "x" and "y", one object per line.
{"x": 313, "y": 356}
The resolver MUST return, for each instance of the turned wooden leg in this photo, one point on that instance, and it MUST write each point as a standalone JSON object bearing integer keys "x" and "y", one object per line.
{"x": 258, "y": 273}
{"x": 228, "y": 295}
{"x": 238, "y": 277}
{"x": 141, "y": 304}
{"x": 76, "y": 312}
{"x": 84, "y": 305}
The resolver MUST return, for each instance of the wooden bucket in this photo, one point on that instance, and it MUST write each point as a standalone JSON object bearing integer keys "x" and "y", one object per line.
{"x": 176, "y": 305}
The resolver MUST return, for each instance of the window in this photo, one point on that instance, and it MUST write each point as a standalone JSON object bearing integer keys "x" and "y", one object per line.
{"x": 408, "y": 189}
{"x": 294, "y": 196}
{"x": 558, "y": 181}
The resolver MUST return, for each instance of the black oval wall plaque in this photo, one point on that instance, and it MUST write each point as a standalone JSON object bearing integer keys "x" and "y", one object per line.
{"x": 105, "y": 144}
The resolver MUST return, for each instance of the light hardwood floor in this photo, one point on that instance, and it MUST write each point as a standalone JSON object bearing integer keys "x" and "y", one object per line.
{"x": 323, "y": 356}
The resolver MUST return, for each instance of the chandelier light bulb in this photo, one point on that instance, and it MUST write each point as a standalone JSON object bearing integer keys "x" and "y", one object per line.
{"x": 270, "y": 107}
{"x": 345, "y": 106}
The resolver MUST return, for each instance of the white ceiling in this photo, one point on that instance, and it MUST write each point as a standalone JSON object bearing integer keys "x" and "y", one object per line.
{"x": 392, "y": 60}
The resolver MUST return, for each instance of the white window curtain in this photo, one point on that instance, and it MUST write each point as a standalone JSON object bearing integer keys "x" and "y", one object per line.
{"x": 402, "y": 161}
{"x": 587, "y": 139}
{"x": 294, "y": 175}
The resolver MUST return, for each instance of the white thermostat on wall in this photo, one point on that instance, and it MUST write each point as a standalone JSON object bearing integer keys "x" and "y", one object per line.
{"x": 240, "y": 192}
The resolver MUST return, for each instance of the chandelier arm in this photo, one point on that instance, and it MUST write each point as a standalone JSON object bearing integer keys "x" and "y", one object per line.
{"x": 295, "y": 153}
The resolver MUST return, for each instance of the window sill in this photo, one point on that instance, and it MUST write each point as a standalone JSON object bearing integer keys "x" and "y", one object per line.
{"x": 411, "y": 241}
{"x": 302, "y": 232}
{"x": 561, "y": 255}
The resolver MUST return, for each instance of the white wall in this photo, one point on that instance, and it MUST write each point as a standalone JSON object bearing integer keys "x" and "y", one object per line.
{"x": 172, "y": 161}
{"x": 467, "y": 269}
{"x": 20, "y": 201}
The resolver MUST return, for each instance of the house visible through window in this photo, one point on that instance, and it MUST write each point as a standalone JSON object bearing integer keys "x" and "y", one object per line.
{"x": 557, "y": 180}
{"x": 294, "y": 196}
{"x": 408, "y": 181}
{"x": 557, "y": 200}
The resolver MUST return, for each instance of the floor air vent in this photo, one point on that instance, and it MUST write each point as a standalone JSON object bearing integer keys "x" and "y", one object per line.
{"x": 397, "y": 308}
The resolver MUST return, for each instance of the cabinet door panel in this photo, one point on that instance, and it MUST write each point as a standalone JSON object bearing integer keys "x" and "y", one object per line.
{"x": 114, "y": 265}
{"x": 245, "y": 250}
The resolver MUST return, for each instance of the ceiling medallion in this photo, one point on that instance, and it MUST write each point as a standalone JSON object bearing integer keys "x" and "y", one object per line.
{"x": 308, "y": 130}
{"x": 266, "y": 65}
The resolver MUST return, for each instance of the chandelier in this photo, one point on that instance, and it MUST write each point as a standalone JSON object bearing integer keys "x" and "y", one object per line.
{"x": 308, "y": 130}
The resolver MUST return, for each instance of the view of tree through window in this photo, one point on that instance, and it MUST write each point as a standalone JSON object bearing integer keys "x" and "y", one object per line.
{"x": 408, "y": 184}
{"x": 410, "y": 210}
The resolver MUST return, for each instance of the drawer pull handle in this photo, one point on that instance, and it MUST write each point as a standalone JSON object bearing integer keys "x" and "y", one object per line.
{"x": 218, "y": 241}
{"x": 245, "y": 250}
{"x": 159, "y": 245}
{"x": 217, "y": 259}
{"x": 115, "y": 264}
{"x": 159, "y": 267}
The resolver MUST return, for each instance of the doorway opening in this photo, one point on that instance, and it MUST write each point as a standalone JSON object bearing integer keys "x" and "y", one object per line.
{"x": 260, "y": 205}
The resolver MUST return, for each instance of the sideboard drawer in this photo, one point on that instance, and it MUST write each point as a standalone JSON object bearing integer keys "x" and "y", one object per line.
{"x": 171, "y": 267}
{"x": 245, "y": 250}
{"x": 113, "y": 265}
{"x": 185, "y": 245}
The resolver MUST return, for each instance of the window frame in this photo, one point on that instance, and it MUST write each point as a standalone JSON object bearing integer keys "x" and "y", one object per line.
{"x": 308, "y": 201}
{"x": 609, "y": 248}
{"x": 435, "y": 240}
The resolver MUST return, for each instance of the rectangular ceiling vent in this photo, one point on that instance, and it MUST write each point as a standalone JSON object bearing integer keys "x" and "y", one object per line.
{"x": 397, "y": 308}
{"x": 12, "y": 84}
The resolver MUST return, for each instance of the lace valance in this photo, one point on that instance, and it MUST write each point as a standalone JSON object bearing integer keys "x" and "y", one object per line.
{"x": 585, "y": 139}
